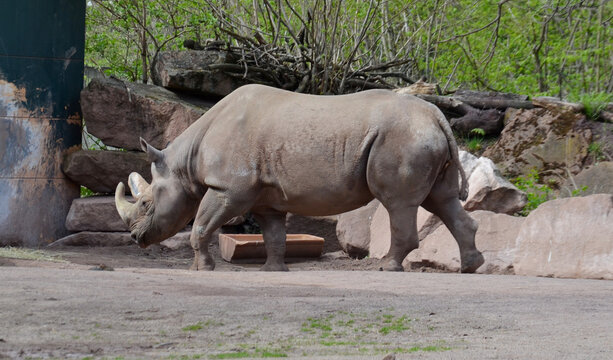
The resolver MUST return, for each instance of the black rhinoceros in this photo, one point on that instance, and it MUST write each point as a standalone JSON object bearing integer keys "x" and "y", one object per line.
{"x": 269, "y": 152}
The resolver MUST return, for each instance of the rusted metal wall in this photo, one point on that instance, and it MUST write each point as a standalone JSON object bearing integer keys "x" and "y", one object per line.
{"x": 41, "y": 75}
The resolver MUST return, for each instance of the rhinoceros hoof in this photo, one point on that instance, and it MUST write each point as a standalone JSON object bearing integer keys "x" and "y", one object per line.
{"x": 471, "y": 261}
{"x": 392, "y": 265}
{"x": 274, "y": 267}
{"x": 200, "y": 264}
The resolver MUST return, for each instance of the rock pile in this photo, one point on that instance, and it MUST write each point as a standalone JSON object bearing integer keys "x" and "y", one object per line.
{"x": 119, "y": 113}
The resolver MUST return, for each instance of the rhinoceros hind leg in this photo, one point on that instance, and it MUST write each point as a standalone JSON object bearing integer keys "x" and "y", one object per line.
{"x": 274, "y": 233}
{"x": 404, "y": 239}
{"x": 443, "y": 201}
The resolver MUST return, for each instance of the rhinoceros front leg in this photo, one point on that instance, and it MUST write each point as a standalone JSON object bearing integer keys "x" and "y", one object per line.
{"x": 274, "y": 233}
{"x": 214, "y": 211}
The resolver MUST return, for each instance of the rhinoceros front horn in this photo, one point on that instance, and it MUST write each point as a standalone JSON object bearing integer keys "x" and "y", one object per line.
{"x": 124, "y": 207}
{"x": 137, "y": 184}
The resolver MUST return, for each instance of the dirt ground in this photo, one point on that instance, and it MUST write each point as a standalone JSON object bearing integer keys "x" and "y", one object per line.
{"x": 129, "y": 303}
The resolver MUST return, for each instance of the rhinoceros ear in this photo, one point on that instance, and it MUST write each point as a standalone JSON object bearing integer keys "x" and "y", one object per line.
{"x": 153, "y": 154}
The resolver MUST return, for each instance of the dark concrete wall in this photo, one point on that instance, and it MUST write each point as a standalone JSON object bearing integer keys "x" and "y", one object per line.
{"x": 41, "y": 76}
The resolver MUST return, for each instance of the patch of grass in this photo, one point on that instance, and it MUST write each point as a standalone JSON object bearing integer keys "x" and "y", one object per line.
{"x": 594, "y": 104}
{"x": 338, "y": 343}
{"x": 29, "y": 254}
{"x": 397, "y": 325}
{"x": 271, "y": 354}
{"x": 259, "y": 353}
{"x": 321, "y": 324}
{"x": 195, "y": 327}
{"x": 474, "y": 144}
{"x": 597, "y": 151}
{"x": 231, "y": 355}
{"x": 199, "y": 325}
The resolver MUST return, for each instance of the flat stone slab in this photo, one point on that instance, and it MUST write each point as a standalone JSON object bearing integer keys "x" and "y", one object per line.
{"x": 95, "y": 213}
{"x": 251, "y": 246}
{"x": 99, "y": 238}
{"x": 118, "y": 113}
{"x": 101, "y": 170}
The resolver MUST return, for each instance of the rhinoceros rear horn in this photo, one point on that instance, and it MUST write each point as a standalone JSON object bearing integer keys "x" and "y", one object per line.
{"x": 137, "y": 184}
{"x": 153, "y": 154}
{"x": 124, "y": 207}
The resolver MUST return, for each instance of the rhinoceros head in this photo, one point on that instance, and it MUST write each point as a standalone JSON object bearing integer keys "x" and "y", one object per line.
{"x": 162, "y": 208}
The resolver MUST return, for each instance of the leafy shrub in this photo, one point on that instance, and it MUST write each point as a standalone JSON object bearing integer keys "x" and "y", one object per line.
{"x": 537, "y": 194}
{"x": 594, "y": 104}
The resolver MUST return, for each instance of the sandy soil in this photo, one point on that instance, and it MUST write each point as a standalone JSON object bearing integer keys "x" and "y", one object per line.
{"x": 150, "y": 307}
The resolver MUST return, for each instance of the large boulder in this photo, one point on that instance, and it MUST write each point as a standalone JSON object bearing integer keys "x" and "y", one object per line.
{"x": 380, "y": 234}
{"x": 568, "y": 238}
{"x": 101, "y": 171}
{"x": 495, "y": 238}
{"x": 552, "y": 139}
{"x": 597, "y": 179}
{"x": 488, "y": 189}
{"x": 322, "y": 226}
{"x": 199, "y": 72}
{"x": 119, "y": 113}
{"x": 94, "y": 213}
{"x": 353, "y": 229}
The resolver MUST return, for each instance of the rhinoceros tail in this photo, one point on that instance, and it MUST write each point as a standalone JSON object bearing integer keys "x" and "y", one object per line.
{"x": 453, "y": 150}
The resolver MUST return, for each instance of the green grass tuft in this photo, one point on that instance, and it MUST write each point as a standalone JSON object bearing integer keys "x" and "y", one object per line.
{"x": 29, "y": 254}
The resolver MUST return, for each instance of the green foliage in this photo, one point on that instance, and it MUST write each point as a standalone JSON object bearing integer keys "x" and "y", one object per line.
{"x": 478, "y": 131}
{"x": 474, "y": 142}
{"x": 594, "y": 104}
{"x": 194, "y": 327}
{"x": 85, "y": 192}
{"x": 532, "y": 47}
{"x": 597, "y": 150}
{"x": 536, "y": 193}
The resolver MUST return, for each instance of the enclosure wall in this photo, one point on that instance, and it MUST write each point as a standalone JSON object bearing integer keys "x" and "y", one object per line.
{"x": 41, "y": 76}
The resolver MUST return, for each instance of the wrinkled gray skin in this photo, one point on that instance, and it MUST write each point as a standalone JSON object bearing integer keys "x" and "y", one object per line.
{"x": 268, "y": 151}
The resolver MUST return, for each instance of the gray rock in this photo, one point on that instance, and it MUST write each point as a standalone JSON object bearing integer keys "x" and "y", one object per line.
{"x": 598, "y": 179}
{"x": 95, "y": 213}
{"x": 353, "y": 230}
{"x": 192, "y": 71}
{"x": 380, "y": 234}
{"x": 119, "y": 113}
{"x": 548, "y": 140}
{"x": 101, "y": 171}
{"x": 495, "y": 238}
{"x": 488, "y": 189}
{"x": 568, "y": 238}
